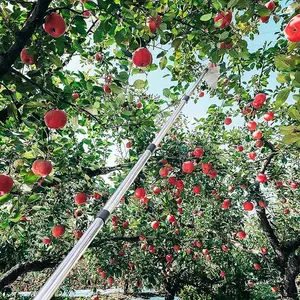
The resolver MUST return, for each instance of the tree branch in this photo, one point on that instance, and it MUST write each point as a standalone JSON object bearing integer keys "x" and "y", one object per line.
{"x": 104, "y": 170}
{"x": 20, "y": 269}
{"x": 23, "y": 36}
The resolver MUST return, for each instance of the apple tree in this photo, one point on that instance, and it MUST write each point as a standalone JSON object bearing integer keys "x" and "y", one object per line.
{"x": 215, "y": 213}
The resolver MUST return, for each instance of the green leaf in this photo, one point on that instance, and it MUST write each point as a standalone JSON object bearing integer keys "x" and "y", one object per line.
{"x": 206, "y": 17}
{"x": 122, "y": 76}
{"x": 33, "y": 198}
{"x": 294, "y": 113}
{"x": 232, "y": 3}
{"x": 263, "y": 11}
{"x": 5, "y": 198}
{"x": 30, "y": 178}
{"x": 282, "y": 97}
{"x": 115, "y": 88}
{"x": 166, "y": 92}
{"x": 281, "y": 62}
{"x": 55, "y": 60}
{"x": 176, "y": 43}
{"x": 120, "y": 99}
{"x": 163, "y": 62}
{"x": 90, "y": 5}
{"x": 99, "y": 34}
{"x": 291, "y": 138}
{"x": 140, "y": 84}
{"x": 29, "y": 154}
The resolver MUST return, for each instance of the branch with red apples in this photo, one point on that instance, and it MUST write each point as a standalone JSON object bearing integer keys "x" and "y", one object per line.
{"x": 23, "y": 36}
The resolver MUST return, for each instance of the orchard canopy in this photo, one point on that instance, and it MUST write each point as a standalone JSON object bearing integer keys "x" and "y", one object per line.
{"x": 215, "y": 213}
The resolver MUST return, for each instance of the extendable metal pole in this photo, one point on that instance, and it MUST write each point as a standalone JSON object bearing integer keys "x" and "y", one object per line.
{"x": 53, "y": 283}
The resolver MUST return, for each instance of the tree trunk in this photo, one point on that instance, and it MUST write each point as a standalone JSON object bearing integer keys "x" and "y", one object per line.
{"x": 170, "y": 295}
{"x": 292, "y": 269}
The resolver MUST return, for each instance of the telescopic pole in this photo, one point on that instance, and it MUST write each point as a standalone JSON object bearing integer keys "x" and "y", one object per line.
{"x": 53, "y": 283}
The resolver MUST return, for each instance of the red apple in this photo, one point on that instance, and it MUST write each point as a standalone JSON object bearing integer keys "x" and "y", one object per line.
{"x": 241, "y": 235}
{"x": 198, "y": 152}
{"x": 270, "y": 5}
{"x": 171, "y": 218}
{"x": 262, "y": 178}
{"x": 227, "y": 121}
{"x": 259, "y": 100}
{"x": 262, "y": 203}
{"x": 78, "y": 212}
{"x": 176, "y": 248}
{"x": 248, "y": 206}
{"x": 264, "y": 250}
{"x": 163, "y": 172}
{"x": 275, "y": 289}
{"x": 98, "y": 57}
{"x": 58, "y": 230}
{"x": 251, "y": 125}
{"x": 26, "y": 58}
{"x": 80, "y": 198}
{"x": 188, "y": 167}
{"x": 201, "y": 94}
{"x": 86, "y": 13}
{"x": 142, "y": 57}
{"x": 41, "y": 167}
{"x": 224, "y": 45}
{"x": 139, "y": 105}
{"x": 97, "y": 195}
{"x": 205, "y": 251}
{"x": 231, "y": 188}
{"x": 180, "y": 211}
{"x": 257, "y": 135}
{"x": 172, "y": 180}
{"x": 206, "y": 168}
{"x": 46, "y": 240}
{"x": 286, "y": 211}
{"x": 188, "y": 251}
{"x": 156, "y": 190}
{"x": 265, "y": 19}
{"x": 225, "y": 17}
{"x": 55, "y": 25}
{"x": 224, "y": 248}
{"x": 269, "y": 116}
{"x": 140, "y": 193}
{"x": 107, "y": 89}
{"x": 155, "y": 225}
{"x": 75, "y": 95}
{"x": 252, "y": 155}
{"x": 128, "y": 145}
{"x": 226, "y": 204}
{"x": 103, "y": 274}
{"x": 292, "y": 30}
{"x": 196, "y": 189}
{"x": 78, "y": 234}
{"x": 180, "y": 185}
{"x": 294, "y": 185}
{"x": 6, "y": 184}
{"x": 179, "y": 200}
{"x": 95, "y": 297}
{"x": 223, "y": 273}
{"x": 55, "y": 119}
{"x": 257, "y": 267}
{"x": 259, "y": 143}
{"x": 110, "y": 281}
{"x": 125, "y": 224}
{"x": 169, "y": 258}
{"x": 240, "y": 148}
{"x": 212, "y": 174}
